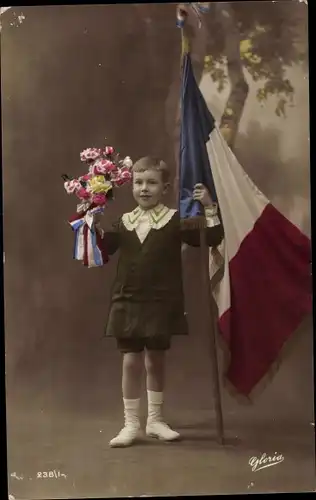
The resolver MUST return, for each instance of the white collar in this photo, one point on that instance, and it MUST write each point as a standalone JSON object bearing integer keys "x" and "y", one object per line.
{"x": 157, "y": 217}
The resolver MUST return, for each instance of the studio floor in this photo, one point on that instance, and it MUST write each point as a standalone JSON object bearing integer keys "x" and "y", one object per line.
{"x": 64, "y": 432}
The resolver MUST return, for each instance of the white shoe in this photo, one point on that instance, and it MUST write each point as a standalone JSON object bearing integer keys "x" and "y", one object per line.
{"x": 126, "y": 437}
{"x": 131, "y": 430}
{"x": 160, "y": 430}
{"x": 156, "y": 427}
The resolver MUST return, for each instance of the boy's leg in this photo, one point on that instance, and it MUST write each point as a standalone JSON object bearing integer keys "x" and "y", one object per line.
{"x": 131, "y": 384}
{"x": 132, "y": 369}
{"x": 155, "y": 371}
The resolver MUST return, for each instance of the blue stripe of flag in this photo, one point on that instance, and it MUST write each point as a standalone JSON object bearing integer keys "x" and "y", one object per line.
{"x": 197, "y": 123}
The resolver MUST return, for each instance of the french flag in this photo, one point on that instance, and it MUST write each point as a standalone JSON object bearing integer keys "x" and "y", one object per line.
{"x": 265, "y": 290}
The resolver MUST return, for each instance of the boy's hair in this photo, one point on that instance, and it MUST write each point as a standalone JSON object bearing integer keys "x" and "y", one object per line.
{"x": 152, "y": 163}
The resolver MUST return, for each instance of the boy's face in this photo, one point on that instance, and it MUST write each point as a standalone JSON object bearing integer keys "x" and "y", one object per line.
{"x": 148, "y": 188}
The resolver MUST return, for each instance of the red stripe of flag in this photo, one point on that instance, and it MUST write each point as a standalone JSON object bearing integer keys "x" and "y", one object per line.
{"x": 271, "y": 292}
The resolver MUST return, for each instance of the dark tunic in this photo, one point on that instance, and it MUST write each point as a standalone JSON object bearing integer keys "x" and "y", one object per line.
{"x": 147, "y": 296}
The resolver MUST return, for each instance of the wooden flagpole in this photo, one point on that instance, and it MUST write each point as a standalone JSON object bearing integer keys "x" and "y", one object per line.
{"x": 212, "y": 327}
{"x": 209, "y": 302}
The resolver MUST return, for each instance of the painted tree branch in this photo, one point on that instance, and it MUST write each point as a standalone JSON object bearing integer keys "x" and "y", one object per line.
{"x": 239, "y": 87}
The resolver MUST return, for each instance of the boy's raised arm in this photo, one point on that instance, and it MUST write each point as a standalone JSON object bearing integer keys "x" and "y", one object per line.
{"x": 214, "y": 230}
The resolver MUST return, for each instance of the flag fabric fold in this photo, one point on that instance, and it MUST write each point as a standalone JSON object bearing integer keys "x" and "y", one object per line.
{"x": 196, "y": 126}
{"x": 265, "y": 289}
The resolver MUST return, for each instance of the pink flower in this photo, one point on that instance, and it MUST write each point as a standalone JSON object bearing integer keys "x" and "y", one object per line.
{"x": 90, "y": 154}
{"x": 108, "y": 150}
{"x": 102, "y": 167}
{"x": 85, "y": 177}
{"x": 111, "y": 167}
{"x": 125, "y": 174}
{"x": 72, "y": 186}
{"x": 105, "y": 166}
{"x": 99, "y": 199}
{"x": 83, "y": 194}
{"x": 119, "y": 181}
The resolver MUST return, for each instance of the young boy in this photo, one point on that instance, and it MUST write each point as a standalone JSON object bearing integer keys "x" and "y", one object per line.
{"x": 147, "y": 305}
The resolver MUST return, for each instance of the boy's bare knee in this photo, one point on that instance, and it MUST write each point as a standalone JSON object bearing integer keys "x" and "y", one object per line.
{"x": 154, "y": 360}
{"x": 132, "y": 361}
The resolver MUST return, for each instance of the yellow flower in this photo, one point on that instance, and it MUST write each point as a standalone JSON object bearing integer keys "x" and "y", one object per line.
{"x": 98, "y": 184}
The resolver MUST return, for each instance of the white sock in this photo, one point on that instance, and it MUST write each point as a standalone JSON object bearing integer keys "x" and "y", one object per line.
{"x": 131, "y": 404}
{"x": 156, "y": 427}
{"x": 131, "y": 411}
{"x": 155, "y": 397}
{"x": 155, "y": 401}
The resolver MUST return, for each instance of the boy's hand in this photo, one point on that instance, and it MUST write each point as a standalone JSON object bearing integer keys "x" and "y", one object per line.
{"x": 202, "y": 195}
{"x": 97, "y": 218}
{"x": 97, "y": 224}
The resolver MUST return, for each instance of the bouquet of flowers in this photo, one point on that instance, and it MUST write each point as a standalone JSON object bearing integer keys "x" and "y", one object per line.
{"x": 106, "y": 171}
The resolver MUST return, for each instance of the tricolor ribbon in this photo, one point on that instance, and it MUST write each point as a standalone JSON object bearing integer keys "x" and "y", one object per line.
{"x": 198, "y": 9}
{"x": 88, "y": 247}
